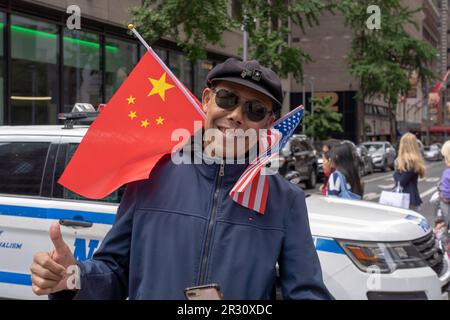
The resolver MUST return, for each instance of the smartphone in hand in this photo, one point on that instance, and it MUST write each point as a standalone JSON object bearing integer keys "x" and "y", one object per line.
{"x": 206, "y": 292}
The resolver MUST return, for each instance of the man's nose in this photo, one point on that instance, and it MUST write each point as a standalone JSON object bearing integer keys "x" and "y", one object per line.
{"x": 237, "y": 115}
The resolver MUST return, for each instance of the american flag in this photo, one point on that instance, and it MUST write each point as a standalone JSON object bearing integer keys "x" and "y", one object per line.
{"x": 252, "y": 188}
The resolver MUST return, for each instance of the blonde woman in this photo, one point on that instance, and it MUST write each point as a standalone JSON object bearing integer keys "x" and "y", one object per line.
{"x": 409, "y": 167}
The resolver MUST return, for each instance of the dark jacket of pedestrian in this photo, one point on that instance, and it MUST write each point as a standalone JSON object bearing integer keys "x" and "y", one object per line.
{"x": 408, "y": 181}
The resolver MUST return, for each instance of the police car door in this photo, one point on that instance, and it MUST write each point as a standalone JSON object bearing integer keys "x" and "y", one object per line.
{"x": 89, "y": 220}
{"x": 26, "y": 210}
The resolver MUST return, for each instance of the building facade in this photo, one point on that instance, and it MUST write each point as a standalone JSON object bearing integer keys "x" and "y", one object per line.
{"x": 328, "y": 45}
{"x": 45, "y": 68}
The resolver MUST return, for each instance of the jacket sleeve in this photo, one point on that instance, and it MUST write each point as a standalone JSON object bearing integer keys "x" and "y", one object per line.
{"x": 334, "y": 185}
{"x": 404, "y": 178}
{"x": 105, "y": 276}
{"x": 300, "y": 271}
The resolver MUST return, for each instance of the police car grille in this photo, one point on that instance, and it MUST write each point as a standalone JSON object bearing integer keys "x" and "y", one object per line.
{"x": 430, "y": 252}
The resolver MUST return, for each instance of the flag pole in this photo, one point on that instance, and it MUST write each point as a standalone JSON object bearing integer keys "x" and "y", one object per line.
{"x": 167, "y": 70}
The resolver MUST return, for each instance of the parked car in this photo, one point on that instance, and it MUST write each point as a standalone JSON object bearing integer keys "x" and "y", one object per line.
{"x": 366, "y": 158}
{"x": 433, "y": 152}
{"x": 299, "y": 155}
{"x": 366, "y": 250}
{"x": 382, "y": 153}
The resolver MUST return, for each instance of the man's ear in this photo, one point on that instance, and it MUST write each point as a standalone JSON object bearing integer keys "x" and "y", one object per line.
{"x": 206, "y": 98}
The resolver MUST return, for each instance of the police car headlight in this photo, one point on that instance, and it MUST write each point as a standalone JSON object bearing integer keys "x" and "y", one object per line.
{"x": 383, "y": 257}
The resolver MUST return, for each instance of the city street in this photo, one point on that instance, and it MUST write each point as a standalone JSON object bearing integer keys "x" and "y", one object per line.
{"x": 379, "y": 181}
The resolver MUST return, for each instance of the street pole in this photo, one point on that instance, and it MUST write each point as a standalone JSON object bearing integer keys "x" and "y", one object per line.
{"x": 445, "y": 111}
{"x": 245, "y": 39}
{"x": 304, "y": 104}
{"x": 444, "y": 35}
{"x": 311, "y": 81}
{"x": 245, "y": 55}
{"x": 427, "y": 113}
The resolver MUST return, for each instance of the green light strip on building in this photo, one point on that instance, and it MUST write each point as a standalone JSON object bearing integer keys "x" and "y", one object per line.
{"x": 86, "y": 43}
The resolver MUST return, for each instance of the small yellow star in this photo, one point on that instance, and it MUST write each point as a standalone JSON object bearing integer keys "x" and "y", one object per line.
{"x": 160, "y": 120}
{"x": 160, "y": 86}
{"x": 145, "y": 123}
{"x": 131, "y": 100}
{"x": 132, "y": 115}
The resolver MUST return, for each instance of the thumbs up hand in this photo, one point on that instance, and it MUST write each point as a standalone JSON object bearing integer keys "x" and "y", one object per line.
{"x": 49, "y": 269}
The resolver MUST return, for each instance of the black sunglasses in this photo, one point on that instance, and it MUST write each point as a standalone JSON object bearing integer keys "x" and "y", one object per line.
{"x": 254, "y": 110}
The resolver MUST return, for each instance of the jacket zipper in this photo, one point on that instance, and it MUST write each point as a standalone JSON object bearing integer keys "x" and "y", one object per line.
{"x": 212, "y": 221}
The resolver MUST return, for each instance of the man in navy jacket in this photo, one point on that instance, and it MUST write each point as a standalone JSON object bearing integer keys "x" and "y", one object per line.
{"x": 180, "y": 228}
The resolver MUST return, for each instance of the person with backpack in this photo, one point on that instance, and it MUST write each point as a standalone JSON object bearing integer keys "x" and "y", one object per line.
{"x": 344, "y": 181}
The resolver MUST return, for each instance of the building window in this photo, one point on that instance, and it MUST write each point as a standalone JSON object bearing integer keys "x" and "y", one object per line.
{"x": 181, "y": 68}
{"x": 202, "y": 68}
{"x": 22, "y": 166}
{"x": 2, "y": 70}
{"x": 121, "y": 57}
{"x": 34, "y": 86}
{"x": 162, "y": 54}
{"x": 82, "y": 73}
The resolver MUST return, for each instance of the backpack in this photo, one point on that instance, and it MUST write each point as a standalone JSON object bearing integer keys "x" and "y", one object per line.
{"x": 345, "y": 193}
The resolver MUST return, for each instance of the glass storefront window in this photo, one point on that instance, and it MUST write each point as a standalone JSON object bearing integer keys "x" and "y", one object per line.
{"x": 162, "y": 53}
{"x": 34, "y": 86}
{"x": 121, "y": 57}
{"x": 82, "y": 73}
{"x": 202, "y": 67}
{"x": 181, "y": 67}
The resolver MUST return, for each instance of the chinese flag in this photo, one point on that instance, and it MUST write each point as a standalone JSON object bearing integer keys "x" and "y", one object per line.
{"x": 133, "y": 131}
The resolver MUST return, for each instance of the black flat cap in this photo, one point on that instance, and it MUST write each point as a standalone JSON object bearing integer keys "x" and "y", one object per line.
{"x": 250, "y": 74}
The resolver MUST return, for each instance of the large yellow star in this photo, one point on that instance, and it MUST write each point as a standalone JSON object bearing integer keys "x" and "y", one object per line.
{"x": 160, "y": 120}
{"x": 160, "y": 86}
{"x": 131, "y": 100}
{"x": 145, "y": 123}
{"x": 132, "y": 115}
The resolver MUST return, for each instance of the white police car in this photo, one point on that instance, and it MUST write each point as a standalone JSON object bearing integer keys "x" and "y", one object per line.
{"x": 367, "y": 251}
{"x": 377, "y": 252}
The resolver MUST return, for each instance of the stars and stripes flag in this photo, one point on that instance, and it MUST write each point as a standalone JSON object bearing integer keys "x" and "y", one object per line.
{"x": 252, "y": 188}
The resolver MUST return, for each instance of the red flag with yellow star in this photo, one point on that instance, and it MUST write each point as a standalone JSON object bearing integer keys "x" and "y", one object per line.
{"x": 133, "y": 131}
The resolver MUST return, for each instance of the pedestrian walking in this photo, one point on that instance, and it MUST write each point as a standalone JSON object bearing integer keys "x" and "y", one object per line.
{"x": 326, "y": 147}
{"x": 344, "y": 181}
{"x": 409, "y": 166}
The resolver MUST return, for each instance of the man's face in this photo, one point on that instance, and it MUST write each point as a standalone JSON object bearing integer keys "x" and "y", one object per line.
{"x": 224, "y": 122}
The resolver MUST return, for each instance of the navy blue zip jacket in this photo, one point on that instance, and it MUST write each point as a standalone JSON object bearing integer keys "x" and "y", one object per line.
{"x": 180, "y": 228}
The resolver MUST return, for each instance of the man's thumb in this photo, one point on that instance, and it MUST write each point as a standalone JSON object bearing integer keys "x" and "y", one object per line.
{"x": 57, "y": 239}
